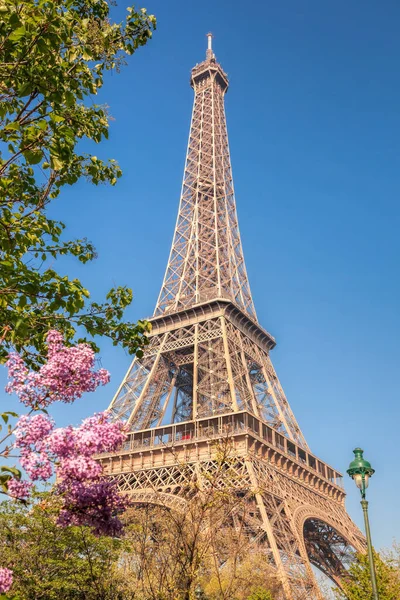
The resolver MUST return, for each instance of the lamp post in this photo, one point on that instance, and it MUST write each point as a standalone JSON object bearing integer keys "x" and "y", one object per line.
{"x": 360, "y": 471}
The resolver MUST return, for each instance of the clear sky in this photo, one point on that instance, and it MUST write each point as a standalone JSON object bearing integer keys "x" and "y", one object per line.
{"x": 313, "y": 115}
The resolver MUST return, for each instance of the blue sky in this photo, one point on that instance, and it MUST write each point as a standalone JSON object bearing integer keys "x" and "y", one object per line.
{"x": 313, "y": 119}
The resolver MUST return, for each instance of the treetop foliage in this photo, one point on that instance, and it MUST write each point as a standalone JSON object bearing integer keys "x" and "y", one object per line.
{"x": 53, "y": 57}
{"x": 357, "y": 583}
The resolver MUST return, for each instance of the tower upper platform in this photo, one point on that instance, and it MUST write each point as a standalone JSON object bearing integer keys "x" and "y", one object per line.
{"x": 209, "y": 69}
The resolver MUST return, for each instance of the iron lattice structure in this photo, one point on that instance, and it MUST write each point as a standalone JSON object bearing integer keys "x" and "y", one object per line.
{"x": 207, "y": 373}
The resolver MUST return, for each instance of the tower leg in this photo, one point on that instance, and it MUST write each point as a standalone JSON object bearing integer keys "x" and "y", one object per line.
{"x": 292, "y": 565}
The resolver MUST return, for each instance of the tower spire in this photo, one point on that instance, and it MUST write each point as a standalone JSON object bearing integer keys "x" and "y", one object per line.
{"x": 209, "y": 53}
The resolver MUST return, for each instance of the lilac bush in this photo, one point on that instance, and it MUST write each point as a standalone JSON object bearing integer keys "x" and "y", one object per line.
{"x": 68, "y": 453}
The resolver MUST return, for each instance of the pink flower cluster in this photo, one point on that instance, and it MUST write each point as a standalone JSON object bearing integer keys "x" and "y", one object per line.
{"x": 66, "y": 452}
{"x": 6, "y": 580}
{"x": 96, "y": 504}
{"x": 71, "y": 449}
{"x": 31, "y": 434}
{"x": 69, "y": 452}
{"x": 19, "y": 490}
{"x": 68, "y": 373}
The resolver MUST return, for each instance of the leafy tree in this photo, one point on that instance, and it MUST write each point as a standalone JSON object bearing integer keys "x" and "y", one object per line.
{"x": 260, "y": 594}
{"x": 50, "y": 562}
{"x": 357, "y": 584}
{"x": 246, "y": 575}
{"x": 53, "y": 57}
{"x": 162, "y": 556}
{"x": 203, "y": 551}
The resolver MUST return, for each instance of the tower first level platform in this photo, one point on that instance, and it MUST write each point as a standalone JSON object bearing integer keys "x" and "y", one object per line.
{"x": 295, "y": 508}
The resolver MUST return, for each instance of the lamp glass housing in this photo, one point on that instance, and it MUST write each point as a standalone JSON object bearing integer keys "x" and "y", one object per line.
{"x": 358, "y": 479}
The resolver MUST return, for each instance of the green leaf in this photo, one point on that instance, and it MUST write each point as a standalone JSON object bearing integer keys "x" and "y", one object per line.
{"x": 13, "y": 470}
{"x": 22, "y": 301}
{"x": 25, "y": 89}
{"x": 12, "y": 126}
{"x": 9, "y": 413}
{"x": 33, "y": 157}
{"x": 17, "y": 34}
{"x": 57, "y": 118}
{"x": 56, "y": 163}
{"x": 69, "y": 98}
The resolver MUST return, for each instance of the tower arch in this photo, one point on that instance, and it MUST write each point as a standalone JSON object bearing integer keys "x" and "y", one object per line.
{"x": 162, "y": 499}
{"x": 329, "y": 543}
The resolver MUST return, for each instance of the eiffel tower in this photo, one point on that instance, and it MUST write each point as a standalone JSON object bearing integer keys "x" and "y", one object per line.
{"x": 207, "y": 373}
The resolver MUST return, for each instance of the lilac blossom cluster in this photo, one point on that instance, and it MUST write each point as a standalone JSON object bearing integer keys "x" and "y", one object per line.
{"x": 6, "y": 580}
{"x": 67, "y": 374}
{"x": 18, "y": 489}
{"x": 96, "y": 504}
{"x": 69, "y": 453}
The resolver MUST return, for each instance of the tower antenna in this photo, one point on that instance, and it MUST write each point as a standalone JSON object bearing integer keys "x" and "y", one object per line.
{"x": 209, "y": 53}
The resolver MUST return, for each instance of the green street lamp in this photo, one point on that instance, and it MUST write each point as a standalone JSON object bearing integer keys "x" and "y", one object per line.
{"x": 360, "y": 470}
